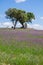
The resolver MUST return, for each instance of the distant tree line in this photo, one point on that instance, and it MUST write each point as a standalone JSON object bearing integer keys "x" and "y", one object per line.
{"x": 16, "y": 15}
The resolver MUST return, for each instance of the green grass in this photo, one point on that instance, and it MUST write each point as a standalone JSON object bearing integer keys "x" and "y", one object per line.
{"x": 19, "y": 53}
{"x": 13, "y": 52}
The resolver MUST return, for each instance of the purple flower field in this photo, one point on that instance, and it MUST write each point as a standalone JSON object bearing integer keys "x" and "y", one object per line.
{"x": 22, "y": 35}
{"x": 21, "y": 47}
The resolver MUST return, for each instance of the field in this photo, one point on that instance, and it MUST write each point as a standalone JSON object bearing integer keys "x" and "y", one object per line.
{"x": 21, "y": 47}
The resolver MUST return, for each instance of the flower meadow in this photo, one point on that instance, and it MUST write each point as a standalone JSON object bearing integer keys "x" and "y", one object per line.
{"x": 21, "y": 47}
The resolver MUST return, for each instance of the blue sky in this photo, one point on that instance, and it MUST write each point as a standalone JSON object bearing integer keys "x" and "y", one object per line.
{"x": 34, "y": 6}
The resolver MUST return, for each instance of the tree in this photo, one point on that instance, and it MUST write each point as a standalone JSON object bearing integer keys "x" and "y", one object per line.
{"x": 12, "y": 15}
{"x": 19, "y": 15}
{"x": 30, "y": 17}
{"x": 22, "y": 17}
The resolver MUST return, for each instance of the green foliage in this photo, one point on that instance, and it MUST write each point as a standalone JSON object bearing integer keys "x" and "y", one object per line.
{"x": 19, "y": 15}
{"x": 30, "y": 16}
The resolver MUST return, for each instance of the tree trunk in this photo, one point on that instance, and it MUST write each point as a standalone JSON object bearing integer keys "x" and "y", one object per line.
{"x": 15, "y": 24}
{"x": 25, "y": 25}
{"x": 22, "y": 25}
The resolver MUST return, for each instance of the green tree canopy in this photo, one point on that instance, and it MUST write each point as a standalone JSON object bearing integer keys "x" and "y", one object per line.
{"x": 19, "y": 15}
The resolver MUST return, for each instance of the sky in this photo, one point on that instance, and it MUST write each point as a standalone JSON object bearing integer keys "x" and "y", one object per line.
{"x": 34, "y": 6}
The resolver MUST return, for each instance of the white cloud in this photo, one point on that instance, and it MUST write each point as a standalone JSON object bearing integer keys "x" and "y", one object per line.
{"x": 29, "y": 26}
{"x": 18, "y": 25}
{"x": 35, "y": 26}
{"x": 5, "y": 24}
{"x": 18, "y": 1}
{"x": 9, "y": 25}
{"x": 41, "y": 17}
